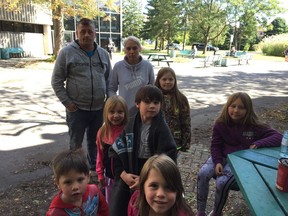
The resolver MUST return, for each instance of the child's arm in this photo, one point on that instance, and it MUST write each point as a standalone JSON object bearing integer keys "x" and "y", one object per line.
{"x": 99, "y": 160}
{"x": 103, "y": 208}
{"x": 217, "y": 143}
{"x": 267, "y": 137}
{"x": 163, "y": 139}
{"x": 185, "y": 124}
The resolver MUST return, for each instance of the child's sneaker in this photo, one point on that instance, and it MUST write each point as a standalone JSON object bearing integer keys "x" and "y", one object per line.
{"x": 211, "y": 213}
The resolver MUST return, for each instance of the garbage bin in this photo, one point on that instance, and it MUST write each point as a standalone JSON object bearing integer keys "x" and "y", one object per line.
{"x": 172, "y": 53}
{"x": 5, "y": 53}
{"x": 225, "y": 62}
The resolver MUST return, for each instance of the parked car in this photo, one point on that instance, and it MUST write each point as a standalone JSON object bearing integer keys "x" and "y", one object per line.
{"x": 174, "y": 46}
{"x": 200, "y": 47}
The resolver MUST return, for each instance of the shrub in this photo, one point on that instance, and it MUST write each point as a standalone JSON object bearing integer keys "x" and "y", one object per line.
{"x": 273, "y": 45}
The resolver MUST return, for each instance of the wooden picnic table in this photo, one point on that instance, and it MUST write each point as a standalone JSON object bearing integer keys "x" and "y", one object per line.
{"x": 255, "y": 171}
{"x": 159, "y": 57}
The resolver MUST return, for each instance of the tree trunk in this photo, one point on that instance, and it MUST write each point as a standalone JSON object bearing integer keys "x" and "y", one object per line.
{"x": 58, "y": 25}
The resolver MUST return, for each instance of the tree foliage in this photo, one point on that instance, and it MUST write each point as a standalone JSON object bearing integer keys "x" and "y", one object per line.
{"x": 249, "y": 14}
{"x": 208, "y": 21}
{"x": 163, "y": 21}
{"x": 277, "y": 26}
{"x": 211, "y": 19}
{"x": 133, "y": 18}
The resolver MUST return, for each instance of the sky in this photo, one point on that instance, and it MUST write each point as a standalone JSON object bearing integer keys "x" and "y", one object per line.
{"x": 285, "y": 15}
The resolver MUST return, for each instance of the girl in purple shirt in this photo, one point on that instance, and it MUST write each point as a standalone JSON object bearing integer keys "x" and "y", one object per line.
{"x": 237, "y": 128}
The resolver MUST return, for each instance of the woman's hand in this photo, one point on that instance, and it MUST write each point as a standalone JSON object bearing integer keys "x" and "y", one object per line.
{"x": 253, "y": 146}
{"x": 219, "y": 169}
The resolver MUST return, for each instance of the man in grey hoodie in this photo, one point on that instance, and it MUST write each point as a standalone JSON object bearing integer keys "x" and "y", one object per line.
{"x": 80, "y": 80}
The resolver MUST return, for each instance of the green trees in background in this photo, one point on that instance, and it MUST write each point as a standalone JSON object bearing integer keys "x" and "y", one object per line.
{"x": 133, "y": 18}
{"x": 208, "y": 21}
{"x": 214, "y": 21}
{"x": 163, "y": 21}
{"x": 277, "y": 26}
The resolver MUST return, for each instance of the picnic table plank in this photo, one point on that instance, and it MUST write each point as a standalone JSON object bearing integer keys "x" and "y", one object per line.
{"x": 253, "y": 187}
{"x": 270, "y": 177}
{"x": 256, "y": 157}
{"x": 271, "y": 151}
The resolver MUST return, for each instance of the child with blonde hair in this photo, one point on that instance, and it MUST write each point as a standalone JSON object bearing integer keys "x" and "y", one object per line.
{"x": 115, "y": 115}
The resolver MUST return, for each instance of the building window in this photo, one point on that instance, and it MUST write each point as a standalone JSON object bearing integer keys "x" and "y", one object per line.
{"x": 18, "y": 27}
{"x": 7, "y": 26}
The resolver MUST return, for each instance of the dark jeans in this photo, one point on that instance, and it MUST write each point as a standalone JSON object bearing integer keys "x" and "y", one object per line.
{"x": 119, "y": 199}
{"x": 80, "y": 122}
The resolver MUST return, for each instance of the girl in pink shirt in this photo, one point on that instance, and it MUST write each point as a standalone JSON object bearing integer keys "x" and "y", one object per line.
{"x": 115, "y": 115}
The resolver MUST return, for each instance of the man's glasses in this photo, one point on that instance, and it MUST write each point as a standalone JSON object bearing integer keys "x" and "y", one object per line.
{"x": 132, "y": 48}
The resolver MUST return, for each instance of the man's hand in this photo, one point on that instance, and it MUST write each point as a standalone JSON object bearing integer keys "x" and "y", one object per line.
{"x": 72, "y": 107}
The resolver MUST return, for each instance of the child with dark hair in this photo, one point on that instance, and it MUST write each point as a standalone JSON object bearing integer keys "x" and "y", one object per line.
{"x": 76, "y": 196}
{"x": 161, "y": 190}
{"x": 175, "y": 107}
{"x": 236, "y": 128}
{"x": 146, "y": 134}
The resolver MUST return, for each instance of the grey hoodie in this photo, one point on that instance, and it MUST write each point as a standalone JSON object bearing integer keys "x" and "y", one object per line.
{"x": 80, "y": 79}
{"x": 129, "y": 78}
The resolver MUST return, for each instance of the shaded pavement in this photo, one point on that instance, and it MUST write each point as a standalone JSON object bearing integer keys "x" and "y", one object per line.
{"x": 33, "y": 128}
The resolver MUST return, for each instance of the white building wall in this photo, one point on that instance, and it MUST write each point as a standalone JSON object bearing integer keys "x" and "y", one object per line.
{"x": 34, "y": 44}
{"x": 29, "y": 13}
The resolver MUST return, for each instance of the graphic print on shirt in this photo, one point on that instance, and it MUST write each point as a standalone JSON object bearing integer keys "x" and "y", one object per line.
{"x": 90, "y": 208}
{"x": 248, "y": 135}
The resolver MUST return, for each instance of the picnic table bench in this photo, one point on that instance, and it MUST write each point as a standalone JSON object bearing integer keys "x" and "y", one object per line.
{"x": 255, "y": 171}
{"x": 245, "y": 59}
{"x": 16, "y": 52}
{"x": 185, "y": 53}
{"x": 159, "y": 57}
{"x": 212, "y": 60}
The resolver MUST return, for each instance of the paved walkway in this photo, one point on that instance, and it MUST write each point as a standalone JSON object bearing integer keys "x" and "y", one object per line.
{"x": 33, "y": 124}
